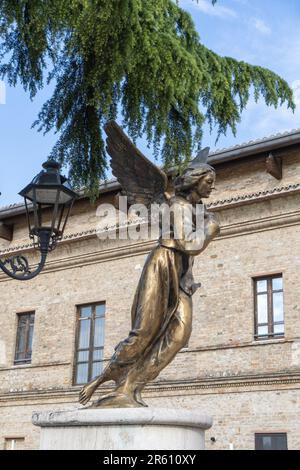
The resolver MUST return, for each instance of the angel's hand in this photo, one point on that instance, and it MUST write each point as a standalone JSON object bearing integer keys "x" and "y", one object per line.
{"x": 212, "y": 226}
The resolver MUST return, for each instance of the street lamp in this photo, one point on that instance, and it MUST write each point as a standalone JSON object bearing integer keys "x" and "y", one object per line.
{"x": 48, "y": 201}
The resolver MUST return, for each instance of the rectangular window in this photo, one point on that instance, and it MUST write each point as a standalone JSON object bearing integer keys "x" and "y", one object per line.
{"x": 272, "y": 441}
{"x": 14, "y": 443}
{"x": 269, "y": 314}
{"x": 24, "y": 338}
{"x": 89, "y": 342}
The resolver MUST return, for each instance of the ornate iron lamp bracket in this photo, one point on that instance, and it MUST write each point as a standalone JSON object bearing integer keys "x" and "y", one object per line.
{"x": 18, "y": 267}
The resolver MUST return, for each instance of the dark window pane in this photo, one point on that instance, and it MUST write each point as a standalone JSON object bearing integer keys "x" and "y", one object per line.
{"x": 267, "y": 442}
{"x": 24, "y": 338}
{"x": 84, "y": 334}
{"x": 261, "y": 286}
{"x": 277, "y": 283}
{"x": 262, "y": 308}
{"x": 30, "y": 336}
{"x": 19, "y": 356}
{"x": 82, "y": 373}
{"x": 23, "y": 320}
{"x": 99, "y": 332}
{"x": 273, "y": 441}
{"x": 21, "y": 340}
{"x": 27, "y": 356}
{"x": 279, "y": 442}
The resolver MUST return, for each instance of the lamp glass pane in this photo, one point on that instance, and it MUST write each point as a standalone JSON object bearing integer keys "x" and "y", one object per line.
{"x": 48, "y": 196}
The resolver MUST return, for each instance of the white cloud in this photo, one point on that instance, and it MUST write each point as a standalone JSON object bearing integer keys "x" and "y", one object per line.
{"x": 260, "y": 120}
{"x": 261, "y": 26}
{"x": 296, "y": 90}
{"x": 282, "y": 53}
{"x": 208, "y": 8}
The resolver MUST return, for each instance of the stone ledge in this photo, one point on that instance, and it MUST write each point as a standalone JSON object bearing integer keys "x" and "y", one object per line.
{"x": 217, "y": 205}
{"x": 123, "y": 416}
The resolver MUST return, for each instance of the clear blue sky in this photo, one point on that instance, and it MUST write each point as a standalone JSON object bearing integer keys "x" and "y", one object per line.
{"x": 262, "y": 32}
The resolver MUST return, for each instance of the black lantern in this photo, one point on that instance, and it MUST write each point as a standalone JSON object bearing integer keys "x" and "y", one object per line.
{"x": 48, "y": 201}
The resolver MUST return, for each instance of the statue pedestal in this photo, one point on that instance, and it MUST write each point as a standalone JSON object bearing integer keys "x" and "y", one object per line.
{"x": 122, "y": 429}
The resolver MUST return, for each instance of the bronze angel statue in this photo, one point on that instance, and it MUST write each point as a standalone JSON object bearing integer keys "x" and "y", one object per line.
{"x": 161, "y": 313}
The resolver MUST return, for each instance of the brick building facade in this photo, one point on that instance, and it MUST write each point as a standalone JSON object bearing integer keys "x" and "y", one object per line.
{"x": 242, "y": 363}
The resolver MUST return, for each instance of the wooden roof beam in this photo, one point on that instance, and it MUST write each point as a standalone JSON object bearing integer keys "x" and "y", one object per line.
{"x": 6, "y": 231}
{"x": 274, "y": 166}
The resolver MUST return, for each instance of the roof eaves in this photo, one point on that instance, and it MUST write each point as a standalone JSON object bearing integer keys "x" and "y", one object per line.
{"x": 255, "y": 147}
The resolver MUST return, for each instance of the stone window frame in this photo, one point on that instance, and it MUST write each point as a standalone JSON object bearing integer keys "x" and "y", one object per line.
{"x": 13, "y": 440}
{"x": 24, "y": 356}
{"x": 92, "y": 348}
{"x": 259, "y": 435}
{"x": 270, "y": 311}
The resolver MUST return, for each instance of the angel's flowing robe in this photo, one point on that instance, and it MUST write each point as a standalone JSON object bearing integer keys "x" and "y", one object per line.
{"x": 161, "y": 311}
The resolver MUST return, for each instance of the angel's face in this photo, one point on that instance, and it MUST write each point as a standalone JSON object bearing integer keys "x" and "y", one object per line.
{"x": 206, "y": 184}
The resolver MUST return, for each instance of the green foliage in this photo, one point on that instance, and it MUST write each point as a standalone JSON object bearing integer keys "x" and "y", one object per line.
{"x": 143, "y": 57}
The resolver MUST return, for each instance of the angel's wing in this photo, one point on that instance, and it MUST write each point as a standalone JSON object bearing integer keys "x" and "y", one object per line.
{"x": 142, "y": 181}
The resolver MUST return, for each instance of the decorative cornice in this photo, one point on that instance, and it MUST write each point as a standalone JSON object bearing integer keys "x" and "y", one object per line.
{"x": 242, "y": 383}
{"x": 225, "y": 383}
{"x": 18, "y": 367}
{"x": 254, "y": 197}
{"x": 144, "y": 247}
{"x": 76, "y": 236}
{"x": 236, "y": 201}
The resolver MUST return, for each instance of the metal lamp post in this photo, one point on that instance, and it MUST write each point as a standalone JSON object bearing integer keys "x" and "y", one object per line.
{"x": 48, "y": 201}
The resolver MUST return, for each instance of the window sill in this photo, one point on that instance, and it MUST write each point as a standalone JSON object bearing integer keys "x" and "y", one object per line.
{"x": 281, "y": 339}
{"x": 18, "y": 364}
{"x": 33, "y": 366}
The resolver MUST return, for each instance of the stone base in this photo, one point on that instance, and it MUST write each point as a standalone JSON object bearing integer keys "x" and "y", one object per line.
{"x": 122, "y": 429}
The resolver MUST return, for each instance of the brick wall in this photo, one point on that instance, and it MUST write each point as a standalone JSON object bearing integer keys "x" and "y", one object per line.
{"x": 247, "y": 386}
